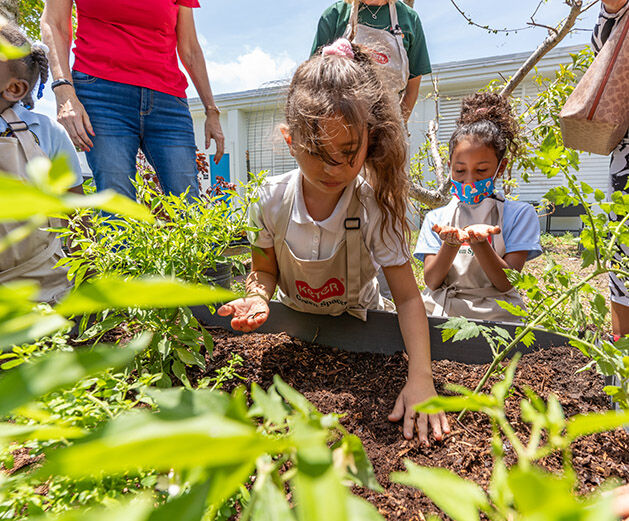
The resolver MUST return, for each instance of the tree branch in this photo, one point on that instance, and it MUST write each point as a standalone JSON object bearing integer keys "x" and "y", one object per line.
{"x": 434, "y": 198}
{"x": 548, "y": 44}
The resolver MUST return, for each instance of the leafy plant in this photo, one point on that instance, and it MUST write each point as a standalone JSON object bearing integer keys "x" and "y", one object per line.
{"x": 187, "y": 241}
{"x": 524, "y": 491}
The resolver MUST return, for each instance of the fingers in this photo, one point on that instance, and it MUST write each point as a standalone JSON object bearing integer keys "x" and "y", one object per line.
{"x": 220, "y": 148}
{"x": 436, "y": 228}
{"x": 422, "y": 429}
{"x": 398, "y": 410}
{"x": 88, "y": 124}
{"x": 409, "y": 423}
{"x": 435, "y": 425}
{"x": 495, "y": 230}
{"x": 445, "y": 426}
{"x": 226, "y": 310}
{"x": 249, "y": 322}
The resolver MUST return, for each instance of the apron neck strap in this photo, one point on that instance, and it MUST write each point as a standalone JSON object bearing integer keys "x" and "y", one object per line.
{"x": 23, "y": 134}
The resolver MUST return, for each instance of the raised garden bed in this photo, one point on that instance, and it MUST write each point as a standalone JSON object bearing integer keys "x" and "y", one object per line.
{"x": 363, "y": 387}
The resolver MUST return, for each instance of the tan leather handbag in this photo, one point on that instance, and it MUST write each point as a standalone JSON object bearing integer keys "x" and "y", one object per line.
{"x": 596, "y": 116}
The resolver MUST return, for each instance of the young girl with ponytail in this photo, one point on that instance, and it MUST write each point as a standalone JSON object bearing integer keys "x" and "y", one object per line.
{"x": 327, "y": 227}
{"x": 467, "y": 244}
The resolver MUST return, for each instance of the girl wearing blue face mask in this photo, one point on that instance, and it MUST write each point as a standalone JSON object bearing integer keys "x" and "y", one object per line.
{"x": 467, "y": 244}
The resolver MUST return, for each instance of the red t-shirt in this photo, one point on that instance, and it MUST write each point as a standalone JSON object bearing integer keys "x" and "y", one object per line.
{"x": 131, "y": 41}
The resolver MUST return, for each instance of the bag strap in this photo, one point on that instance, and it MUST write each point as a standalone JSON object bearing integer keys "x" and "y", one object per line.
{"x": 619, "y": 44}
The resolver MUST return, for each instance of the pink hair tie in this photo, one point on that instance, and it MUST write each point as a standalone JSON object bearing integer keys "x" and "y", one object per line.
{"x": 340, "y": 47}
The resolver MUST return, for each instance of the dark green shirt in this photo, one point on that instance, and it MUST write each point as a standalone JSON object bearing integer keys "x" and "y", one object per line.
{"x": 335, "y": 18}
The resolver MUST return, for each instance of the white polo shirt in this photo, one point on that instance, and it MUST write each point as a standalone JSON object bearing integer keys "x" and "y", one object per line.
{"x": 317, "y": 240}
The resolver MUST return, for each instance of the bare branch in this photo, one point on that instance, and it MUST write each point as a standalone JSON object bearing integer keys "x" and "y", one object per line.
{"x": 550, "y": 29}
{"x": 434, "y": 150}
{"x": 548, "y": 44}
{"x": 431, "y": 198}
{"x": 486, "y": 27}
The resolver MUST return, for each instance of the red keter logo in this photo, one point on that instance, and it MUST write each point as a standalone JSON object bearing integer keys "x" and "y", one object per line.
{"x": 332, "y": 288}
{"x": 379, "y": 57}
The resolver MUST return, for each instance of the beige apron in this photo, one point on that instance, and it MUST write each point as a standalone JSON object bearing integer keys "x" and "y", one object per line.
{"x": 34, "y": 257}
{"x": 467, "y": 290}
{"x": 344, "y": 282}
{"x": 387, "y": 49}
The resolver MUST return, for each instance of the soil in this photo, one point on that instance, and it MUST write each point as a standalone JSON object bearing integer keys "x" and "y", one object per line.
{"x": 363, "y": 387}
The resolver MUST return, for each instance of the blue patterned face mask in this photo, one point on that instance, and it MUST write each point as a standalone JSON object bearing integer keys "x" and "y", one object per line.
{"x": 474, "y": 193}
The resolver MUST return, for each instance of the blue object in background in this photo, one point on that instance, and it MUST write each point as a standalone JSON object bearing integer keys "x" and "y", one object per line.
{"x": 220, "y": 170}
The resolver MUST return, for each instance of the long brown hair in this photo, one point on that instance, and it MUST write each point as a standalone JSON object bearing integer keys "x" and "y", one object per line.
{"x": 329, "y": 86}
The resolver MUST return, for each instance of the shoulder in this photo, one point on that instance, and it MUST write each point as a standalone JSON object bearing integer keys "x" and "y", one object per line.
{"x": 337, "y": 10}
{"x": 405, "y": 10}
{"x": 515, "y": 211}
{"x": 273, "y": 189}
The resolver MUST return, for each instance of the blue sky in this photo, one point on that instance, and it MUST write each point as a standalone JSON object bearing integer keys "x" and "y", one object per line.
{"x": 247, "y": 42}
{"x": 250, "y": 42}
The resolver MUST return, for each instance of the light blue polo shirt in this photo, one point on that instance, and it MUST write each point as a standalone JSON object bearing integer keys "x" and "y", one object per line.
{"x": 53, "y": 138}
{"x": 520, "y": 230}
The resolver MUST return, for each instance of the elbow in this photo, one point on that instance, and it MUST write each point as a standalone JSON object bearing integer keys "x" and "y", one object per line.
{"x": 431, "y": 283}
{"x": 190, "y": 55}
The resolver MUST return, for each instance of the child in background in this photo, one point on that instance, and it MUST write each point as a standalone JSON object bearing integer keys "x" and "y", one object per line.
{"x": 25, "y": 135}
{"x": 325, "y": 229}
{"x": 467, "y": 244}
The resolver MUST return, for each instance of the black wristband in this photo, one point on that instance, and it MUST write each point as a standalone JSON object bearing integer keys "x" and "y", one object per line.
{"x": 58, "y": 83}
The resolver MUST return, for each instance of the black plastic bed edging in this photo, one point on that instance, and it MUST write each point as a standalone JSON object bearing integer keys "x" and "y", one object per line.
{"x": 380, "y": 334}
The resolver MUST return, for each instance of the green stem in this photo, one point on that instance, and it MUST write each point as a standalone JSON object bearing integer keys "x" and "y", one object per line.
{"x": 100, "y": 403}
{"x": 525, "y": 331}
{"x": 588, "y": 211}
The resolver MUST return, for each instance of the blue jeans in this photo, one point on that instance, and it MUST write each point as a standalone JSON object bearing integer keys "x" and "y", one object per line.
{"x": 126, "y": 118}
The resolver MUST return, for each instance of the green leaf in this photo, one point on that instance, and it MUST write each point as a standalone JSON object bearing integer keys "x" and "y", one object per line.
{"x": 27, "y": 328}
{"x": 101, "y": 326}
{"x": 360, "y": 468}
{"x": 458, "y": 498}
{"x": 141, "y": 440}
{"x": 61, "y": 369}
{"x": 583, "y": 424}
{"x": 180, "y": 403}
{"x": 11, "y": 52}
{"x": 294, "y": 398}
{"x": 270, "y": 406}
{"x": 319, "y": 493}
{"x": 187, "y": 507}
{"x": 269, "y": 503}
{"x": 473, "y": 402}
{"x": 14, "y": 432}
{"x": 143, "y": 293}
{"x": 360, "y": 510}
{"x": 512, "y": 308}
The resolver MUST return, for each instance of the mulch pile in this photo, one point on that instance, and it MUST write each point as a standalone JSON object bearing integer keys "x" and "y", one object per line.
{"x": 364, "y": 387}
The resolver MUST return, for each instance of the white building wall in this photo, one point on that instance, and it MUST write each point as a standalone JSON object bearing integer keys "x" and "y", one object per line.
{"x": 251, "y": 119}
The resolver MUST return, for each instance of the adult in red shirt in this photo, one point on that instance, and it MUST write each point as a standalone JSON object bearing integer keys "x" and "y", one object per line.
{"x": 126, "y": 92}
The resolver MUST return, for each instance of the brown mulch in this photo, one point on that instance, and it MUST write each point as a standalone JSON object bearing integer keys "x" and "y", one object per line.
{"x": 364, "y": 386}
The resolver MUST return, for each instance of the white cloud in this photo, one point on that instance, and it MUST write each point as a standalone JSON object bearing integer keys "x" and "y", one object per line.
{"x": 249, "y": 71}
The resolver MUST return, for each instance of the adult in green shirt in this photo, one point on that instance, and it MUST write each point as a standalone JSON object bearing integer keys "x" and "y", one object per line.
{"x": 335, "y": 22}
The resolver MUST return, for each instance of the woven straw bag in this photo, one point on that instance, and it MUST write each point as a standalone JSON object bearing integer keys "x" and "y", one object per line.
{"x": 596, "y": 116}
